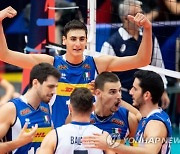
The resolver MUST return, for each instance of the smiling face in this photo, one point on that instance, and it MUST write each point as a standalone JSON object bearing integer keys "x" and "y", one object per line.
{"x": 109, "y": 97}
{"x": 75, "y": 42}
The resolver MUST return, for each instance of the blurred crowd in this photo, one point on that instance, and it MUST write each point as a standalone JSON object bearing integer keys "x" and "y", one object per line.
{"x": 107, "y": 10}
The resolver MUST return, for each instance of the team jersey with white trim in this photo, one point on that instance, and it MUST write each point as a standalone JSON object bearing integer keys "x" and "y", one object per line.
{"x": 72, "y": 76}
{"x": 26, "y": 113}
{"x": 157, "y": 114}
{"x": 69, "y": 138}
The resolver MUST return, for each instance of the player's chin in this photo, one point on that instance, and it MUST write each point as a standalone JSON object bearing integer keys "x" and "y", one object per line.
{"x": 78, "y": 54}
{"x": 80, "y": 51}
{"x": 116, "y": 108}
{"x": 47, "y": 100}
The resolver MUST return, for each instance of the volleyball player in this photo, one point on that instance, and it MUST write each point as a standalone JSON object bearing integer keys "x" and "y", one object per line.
{"x": 77, "y": 69}
{"x": 154, "y": 130}
{"x": 67, "y": 138}
{"x": 31, "y": 108}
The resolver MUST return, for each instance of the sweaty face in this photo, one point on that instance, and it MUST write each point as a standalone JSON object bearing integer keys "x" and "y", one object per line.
{"x": 111, "y": 97}
{"x": 136, "y": 93}
{"x": 75, "y": 42}
{"x": 47, "y": 89}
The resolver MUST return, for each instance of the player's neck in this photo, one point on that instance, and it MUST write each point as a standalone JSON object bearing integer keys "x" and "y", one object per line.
{"x": 81, "y": 118}
{"x": 146, "y": 109}
{"x": 101, "y": 111}
{"x": 74, "y": 59}
{"x": 31, "y": 98}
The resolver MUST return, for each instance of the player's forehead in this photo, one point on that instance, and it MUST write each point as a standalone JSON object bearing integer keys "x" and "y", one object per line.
{"x": 76, "y": 33}
{"x": 136, "y": 83}
{"x": 112, "y": 85}
{"x": 51, "y": 80}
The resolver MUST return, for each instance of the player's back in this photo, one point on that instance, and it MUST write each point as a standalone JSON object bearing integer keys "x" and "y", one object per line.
{"x": 69, "y": 138}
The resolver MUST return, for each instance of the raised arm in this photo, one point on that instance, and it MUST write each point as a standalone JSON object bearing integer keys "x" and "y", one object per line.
{"x": 143, "y": 56}
{"x": 17, "y": 58}
{"x": 173, "y": 6}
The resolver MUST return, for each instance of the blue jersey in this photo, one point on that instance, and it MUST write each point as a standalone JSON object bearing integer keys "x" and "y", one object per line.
{"x": 128, "y": 46}
{"x": 117, "y": 123}
{"x": 26, "y": 113}
{"x": 160, "y": 115}
{"x": 72, "y": 76}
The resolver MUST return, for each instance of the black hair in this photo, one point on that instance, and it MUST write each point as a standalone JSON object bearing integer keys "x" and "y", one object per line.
{"x": 105, "y": 77}
{"x": 81, "y": 100}
{"x": 74, "y": 25}
{"x": 41, "y": 71}
{"x": 152, "y": 82}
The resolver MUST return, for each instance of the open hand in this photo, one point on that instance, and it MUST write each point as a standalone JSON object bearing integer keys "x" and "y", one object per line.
{"x": 26, "y": 136}
{"x": 99, "y": 141}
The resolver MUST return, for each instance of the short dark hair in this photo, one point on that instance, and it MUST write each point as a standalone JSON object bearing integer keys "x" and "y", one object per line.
{"x": 74, "y": 25}
{"x": 81, "y": 100}
{"x": 105, "y": 77}
{"x": 41, "y": 71}
{"x": 152, "y": 82}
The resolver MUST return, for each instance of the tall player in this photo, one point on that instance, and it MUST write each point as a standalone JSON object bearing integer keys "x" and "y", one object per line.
{"x": 77, "y": 70}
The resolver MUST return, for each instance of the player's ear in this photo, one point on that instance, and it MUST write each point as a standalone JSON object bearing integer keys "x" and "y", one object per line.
{"x": 70, "y": 108}
{"x": 64, "y": 40}
{"x": 97, "y": 92}
{"x": 35, "y": 82}
{"x": 147, "y": 95}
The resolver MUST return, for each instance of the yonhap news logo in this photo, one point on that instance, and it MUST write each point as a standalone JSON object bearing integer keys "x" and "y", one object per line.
{"x": 114, "y": 140}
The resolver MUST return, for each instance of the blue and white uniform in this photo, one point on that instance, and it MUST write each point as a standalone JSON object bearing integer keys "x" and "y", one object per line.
{"x": 122, "y": 44}
{"x": 157, "y": 114}
{"x": 72, "y": 76}
{"x": 26, "y": 113}
{"x": 69, "y": 138}
{"x": 116, "y": 124}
